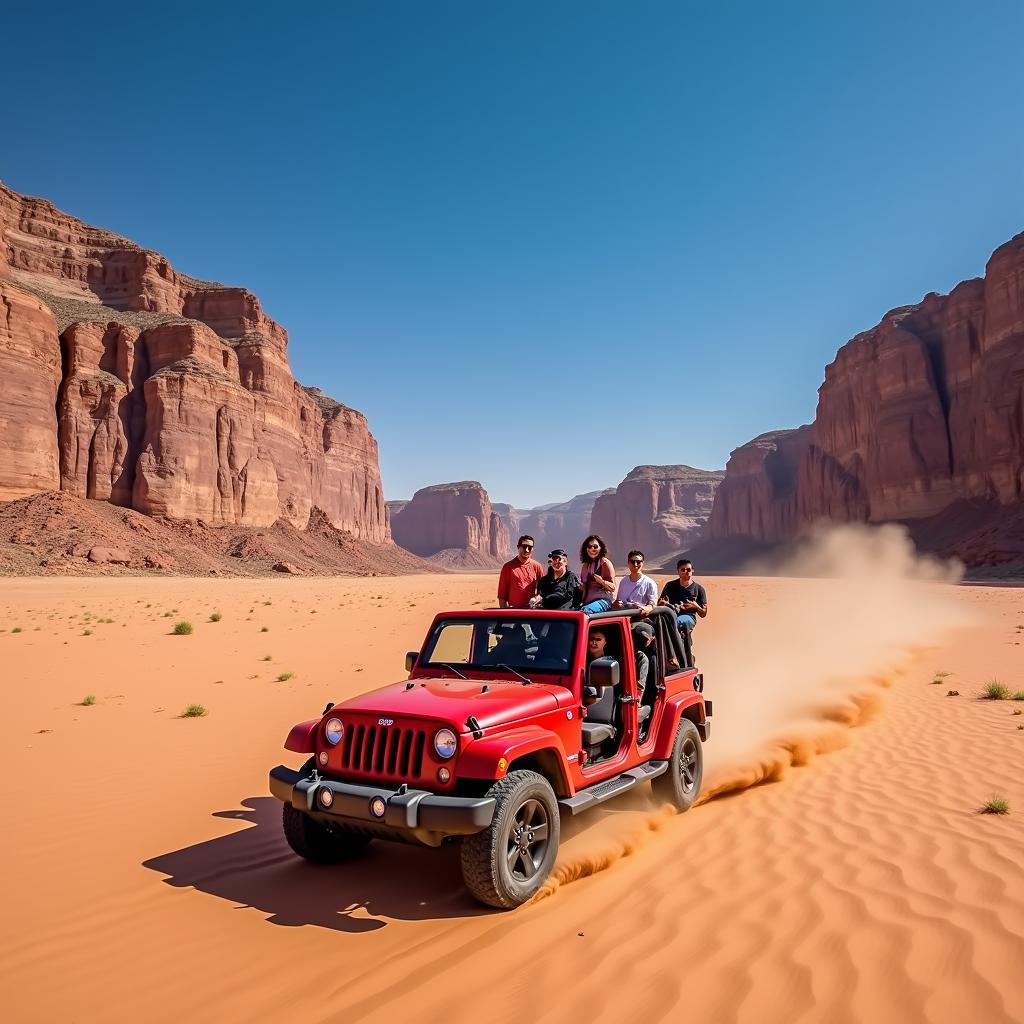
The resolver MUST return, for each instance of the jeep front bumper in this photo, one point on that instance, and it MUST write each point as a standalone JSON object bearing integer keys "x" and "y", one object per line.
{"x": 409, "y": 814}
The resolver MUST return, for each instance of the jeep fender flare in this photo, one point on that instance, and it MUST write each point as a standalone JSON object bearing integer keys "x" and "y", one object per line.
{"x": 481, "y": 759}
{"x": 302, "y": 737}
{"x": 688, "y": 705}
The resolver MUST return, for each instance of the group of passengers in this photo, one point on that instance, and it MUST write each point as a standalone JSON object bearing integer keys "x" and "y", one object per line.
{"x": 523, "y": 583}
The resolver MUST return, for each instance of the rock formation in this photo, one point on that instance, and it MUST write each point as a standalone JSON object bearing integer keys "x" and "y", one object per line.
{"x": 658, "y": 509}
{"x": 451, "y": 517}
{"x": 132, "y": 383}
{"x": 916, "y": 416}
{"x": 561, "y": 524}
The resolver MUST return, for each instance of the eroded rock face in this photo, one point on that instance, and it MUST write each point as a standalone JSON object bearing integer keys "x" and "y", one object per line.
{"x": 658, "y": 509}
{"x": 451, "y": 516}
{"x": 176, "y": 395}
{"x": 30, "y": 368}
{"x": 924, "y": 411}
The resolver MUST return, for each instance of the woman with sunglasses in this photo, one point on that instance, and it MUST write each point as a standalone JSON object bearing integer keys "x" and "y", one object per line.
{"x": 597, "y": 574}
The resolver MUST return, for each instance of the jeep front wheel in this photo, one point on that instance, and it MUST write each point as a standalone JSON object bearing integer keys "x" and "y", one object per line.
{"x": 680, "y": 785}
{"x": 505, "y": 865}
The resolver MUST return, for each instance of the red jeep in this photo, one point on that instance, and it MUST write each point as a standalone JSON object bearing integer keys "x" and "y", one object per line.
{"x": 501, "y": 725}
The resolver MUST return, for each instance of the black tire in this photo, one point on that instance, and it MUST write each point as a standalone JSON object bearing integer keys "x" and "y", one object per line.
{"x": 680, "y": 785}
{"x": 507, "y": 863}
{"x": 319, "y": 844}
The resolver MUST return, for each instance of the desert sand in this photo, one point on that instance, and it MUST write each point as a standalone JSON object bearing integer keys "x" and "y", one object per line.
{"x": 145, "y": 876}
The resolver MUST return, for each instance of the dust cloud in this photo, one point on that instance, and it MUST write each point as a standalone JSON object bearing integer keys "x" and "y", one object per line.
{"x": 792, "y": 663}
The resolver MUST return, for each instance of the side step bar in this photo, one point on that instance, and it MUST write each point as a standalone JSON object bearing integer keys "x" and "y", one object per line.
{"x": 594, "y": 795}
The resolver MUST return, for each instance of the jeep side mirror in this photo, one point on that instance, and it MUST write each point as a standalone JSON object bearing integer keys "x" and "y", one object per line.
{"x": 603, "y": 672}
{"x": 410, "y": 660}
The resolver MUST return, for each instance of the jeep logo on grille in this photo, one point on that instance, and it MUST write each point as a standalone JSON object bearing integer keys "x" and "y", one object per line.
{"x": 385, "y": 721}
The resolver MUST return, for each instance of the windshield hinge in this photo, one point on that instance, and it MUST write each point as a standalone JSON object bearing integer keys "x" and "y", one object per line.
{"x": 474, "y": 726}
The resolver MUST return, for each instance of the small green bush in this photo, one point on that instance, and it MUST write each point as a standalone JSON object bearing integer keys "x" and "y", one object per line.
{"x": 995, "y": 690}
{"x": 939, "y": 676}
{"x": 88, "y": 700}
{"x": 1017, "y": 695}
{"x": 86, "y": 632}
{"x": 285, "y": 676}
{"x": 194, "y": 711}
{"x": 215, "y": 616}
{"x": 182, "y": 629}
{"x": 996, "y": 805}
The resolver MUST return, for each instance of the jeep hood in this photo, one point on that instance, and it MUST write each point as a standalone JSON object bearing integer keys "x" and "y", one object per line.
{"x": 489, "y": 701}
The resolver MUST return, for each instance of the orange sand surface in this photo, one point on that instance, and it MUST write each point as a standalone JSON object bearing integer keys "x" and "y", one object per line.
{"x": 145, "y": 878}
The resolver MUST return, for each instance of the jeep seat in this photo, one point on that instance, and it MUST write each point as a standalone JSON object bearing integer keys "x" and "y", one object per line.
{"x": 599, "y": 727}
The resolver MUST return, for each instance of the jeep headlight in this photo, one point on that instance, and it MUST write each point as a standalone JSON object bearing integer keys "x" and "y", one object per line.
{"x": 334, "y": 730}
{"x": 445, "y": 743}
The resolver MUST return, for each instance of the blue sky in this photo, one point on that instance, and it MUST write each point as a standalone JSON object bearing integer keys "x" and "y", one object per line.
{"x": 540, "y": 243}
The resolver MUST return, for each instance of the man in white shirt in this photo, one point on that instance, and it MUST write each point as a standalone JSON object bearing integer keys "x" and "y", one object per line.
{"x": 637, "y": 590}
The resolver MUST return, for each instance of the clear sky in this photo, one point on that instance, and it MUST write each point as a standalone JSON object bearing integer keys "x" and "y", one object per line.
{"x": 539, "y": 243}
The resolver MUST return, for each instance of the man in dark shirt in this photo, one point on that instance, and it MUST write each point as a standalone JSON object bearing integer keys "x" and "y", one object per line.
{"x": 560, "y": 588}
{"x": 685, "y": 596}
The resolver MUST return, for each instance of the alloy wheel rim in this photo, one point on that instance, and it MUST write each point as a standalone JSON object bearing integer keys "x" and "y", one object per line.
{"x": 688, "y": 765}
{"x": 527, "y": 840}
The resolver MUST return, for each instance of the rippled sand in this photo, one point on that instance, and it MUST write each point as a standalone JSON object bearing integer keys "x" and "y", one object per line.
{"x": 145, "y": 876}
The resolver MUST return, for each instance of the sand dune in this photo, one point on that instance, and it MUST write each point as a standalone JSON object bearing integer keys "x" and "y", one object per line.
{"x": 145, "y": 876}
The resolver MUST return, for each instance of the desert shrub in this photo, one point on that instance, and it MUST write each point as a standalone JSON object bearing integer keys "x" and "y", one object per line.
{"x": 88, "y": 700}
{"x": 194, "y": 711}
{"x": 86, "y": 632}
{"x": 995, "y": 690}
{"x": 215, "y": 616}
{"x": 182, "y": 629}
{"x": 1018, "y": 695}
{"x": 264, "y": 629}
{"x": 285, "y": 676}
{"x": 996, "y": 805}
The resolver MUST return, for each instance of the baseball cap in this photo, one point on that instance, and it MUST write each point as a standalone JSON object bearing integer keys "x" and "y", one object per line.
{"x": 557, "y": 553}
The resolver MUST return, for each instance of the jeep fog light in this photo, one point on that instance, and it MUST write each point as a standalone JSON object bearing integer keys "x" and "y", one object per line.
{"x": 445, "y": 743}
{"x": 334, "y": 730}
{"x": 443, "y": 775}
{"x": 326, "y": 797}
{"x": 323, "y": 757}
{"x": 378, "y": 807}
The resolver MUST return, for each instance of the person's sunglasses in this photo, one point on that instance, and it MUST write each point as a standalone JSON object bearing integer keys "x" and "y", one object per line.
{"x": 636, "y": 561}
{"x": 597, "y": 546}
{"x": 526, "y": 547}
{"x": 686, "y": 570}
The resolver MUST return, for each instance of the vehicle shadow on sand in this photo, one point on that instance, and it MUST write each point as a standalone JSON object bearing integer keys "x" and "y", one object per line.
{"x": 254, "y": 867}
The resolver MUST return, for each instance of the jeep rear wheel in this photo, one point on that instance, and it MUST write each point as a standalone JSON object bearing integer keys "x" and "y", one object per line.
{"x": 506, "y": 864}
{"x": 680, "y": 785}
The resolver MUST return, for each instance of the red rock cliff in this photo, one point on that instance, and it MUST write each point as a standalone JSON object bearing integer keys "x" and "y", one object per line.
{"x": 658, "y": 509}
{"x": 456, "y": 516}
{"x": 133, "y": 383}
{"x": 920, "y": 413}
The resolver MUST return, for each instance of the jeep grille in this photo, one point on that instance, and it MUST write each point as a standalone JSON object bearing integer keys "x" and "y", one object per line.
{"x": 384, "y": 751}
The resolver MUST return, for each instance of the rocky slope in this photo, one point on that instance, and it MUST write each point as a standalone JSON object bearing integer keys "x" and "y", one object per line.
{"x": 445, "y": 519}
{"x": 658, "y": 509}
{"x": 919, "y": 419}
{"x": 132, "y": 383}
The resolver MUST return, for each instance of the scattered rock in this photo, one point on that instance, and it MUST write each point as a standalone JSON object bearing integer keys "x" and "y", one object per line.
{"x": 287, "y": 567}
{"x": 114, "y": 556}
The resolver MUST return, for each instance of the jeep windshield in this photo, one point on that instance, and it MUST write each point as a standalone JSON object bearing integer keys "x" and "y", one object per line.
{"x": 485, "y": 644}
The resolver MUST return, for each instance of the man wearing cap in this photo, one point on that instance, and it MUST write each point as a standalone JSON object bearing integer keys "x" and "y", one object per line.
{"x": 518, "y": 580}
{"x": 560, "y": 588}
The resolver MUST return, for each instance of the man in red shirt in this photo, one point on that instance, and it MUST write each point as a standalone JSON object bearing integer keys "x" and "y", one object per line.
{"x": 518, "y": 580}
